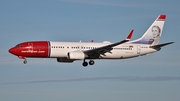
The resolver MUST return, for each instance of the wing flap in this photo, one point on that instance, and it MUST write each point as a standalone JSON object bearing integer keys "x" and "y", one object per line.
{"x": 97, "y": 52}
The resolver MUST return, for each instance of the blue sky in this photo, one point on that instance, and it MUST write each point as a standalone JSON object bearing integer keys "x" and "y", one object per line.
{"x": 154, "y": 77}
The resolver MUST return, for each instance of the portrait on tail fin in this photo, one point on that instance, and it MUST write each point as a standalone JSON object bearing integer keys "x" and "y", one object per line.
{"x": 153, "y": 33}
{"x": 156, "y": 35}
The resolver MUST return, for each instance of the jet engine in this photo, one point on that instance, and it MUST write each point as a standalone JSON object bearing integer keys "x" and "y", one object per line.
{"x": 77, "y": 55}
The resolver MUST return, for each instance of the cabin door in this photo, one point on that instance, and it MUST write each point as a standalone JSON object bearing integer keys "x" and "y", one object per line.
{"x": 138, "y": 49}
{"x": 30, "y": 45}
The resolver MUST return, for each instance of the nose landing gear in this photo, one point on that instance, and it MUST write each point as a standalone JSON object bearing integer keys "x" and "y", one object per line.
{"x": 22, "y": 57}
{"x": 25, "y": 61}
{"x": 91, "y": 62}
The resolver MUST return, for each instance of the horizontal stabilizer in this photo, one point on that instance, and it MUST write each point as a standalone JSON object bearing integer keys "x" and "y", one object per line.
{"x": 161, "y": 45}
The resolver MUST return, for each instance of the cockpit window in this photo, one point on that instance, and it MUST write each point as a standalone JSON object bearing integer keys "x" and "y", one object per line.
{"x": 19, "y": 46}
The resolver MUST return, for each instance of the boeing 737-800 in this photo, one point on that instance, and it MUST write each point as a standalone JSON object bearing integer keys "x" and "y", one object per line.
{"x": 68, "y": 52}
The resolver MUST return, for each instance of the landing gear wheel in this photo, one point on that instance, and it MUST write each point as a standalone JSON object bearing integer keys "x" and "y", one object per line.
{"x": 91, "y": 62}
{"x": 84, "y": 63}
{"x": 25, "y": 61}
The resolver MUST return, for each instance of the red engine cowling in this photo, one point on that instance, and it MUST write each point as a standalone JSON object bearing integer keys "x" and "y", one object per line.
{"x": 77, "y": 55}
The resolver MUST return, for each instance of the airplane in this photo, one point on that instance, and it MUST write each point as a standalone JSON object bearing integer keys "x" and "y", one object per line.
{"x": 68, "y": 52}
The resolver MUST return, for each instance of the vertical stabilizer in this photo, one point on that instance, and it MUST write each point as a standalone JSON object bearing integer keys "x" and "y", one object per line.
{"x": 153, "y": 34}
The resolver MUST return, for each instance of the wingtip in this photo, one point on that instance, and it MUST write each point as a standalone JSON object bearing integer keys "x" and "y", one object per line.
{"x": 130, "y": 35}
{"x": 172, "y": 42}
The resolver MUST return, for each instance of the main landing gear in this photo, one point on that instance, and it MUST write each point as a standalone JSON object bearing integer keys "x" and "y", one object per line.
{"x": 91, "y": 62}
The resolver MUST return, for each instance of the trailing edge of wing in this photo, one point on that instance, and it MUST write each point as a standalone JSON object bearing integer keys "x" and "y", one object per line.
{"x": 107, "y": 48}
{"x": 161, "y": 45}
{"x": 121, "y": 42}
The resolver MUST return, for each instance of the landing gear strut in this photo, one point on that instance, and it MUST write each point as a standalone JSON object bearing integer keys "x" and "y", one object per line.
{"x": 23, "y": 57}
{"x": 25, "y": 61}
{"x": 84, "y": 63}
{"x": 91, "y": 62}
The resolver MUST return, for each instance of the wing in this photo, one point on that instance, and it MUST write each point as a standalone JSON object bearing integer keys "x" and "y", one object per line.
{"x": 97, "y": 52}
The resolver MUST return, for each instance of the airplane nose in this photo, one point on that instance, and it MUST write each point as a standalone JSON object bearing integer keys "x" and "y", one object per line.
{"x": 11, "y": 50}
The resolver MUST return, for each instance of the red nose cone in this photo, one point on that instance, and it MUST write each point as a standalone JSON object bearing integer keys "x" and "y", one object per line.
{"x": 11, "y": 50}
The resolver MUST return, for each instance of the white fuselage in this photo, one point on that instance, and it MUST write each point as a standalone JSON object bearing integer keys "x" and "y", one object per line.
{"x": 126, "y": 50}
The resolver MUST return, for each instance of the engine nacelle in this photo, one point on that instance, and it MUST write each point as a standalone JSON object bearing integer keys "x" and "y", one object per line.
{"x": 64, "y": 60}
{"x": 77, "y": 55}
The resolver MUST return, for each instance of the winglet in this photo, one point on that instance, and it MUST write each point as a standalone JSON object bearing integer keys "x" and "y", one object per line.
{"x": 129, "y": 35}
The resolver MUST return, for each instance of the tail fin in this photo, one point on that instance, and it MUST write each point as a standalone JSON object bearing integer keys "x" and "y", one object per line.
{"x": 153, "y": 34}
